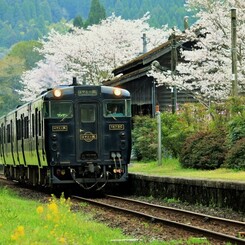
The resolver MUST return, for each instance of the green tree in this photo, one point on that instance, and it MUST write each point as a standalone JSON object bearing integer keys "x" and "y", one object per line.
{"x": 22, "y": 57}
{"x": 26, "y": 51}
{"x": 10, "y": 69}
{"x": 96, "y": 13}
{"x": 78, "y": 21}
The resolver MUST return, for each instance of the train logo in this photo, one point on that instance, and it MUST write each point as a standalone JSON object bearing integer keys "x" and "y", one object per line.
{"x": 88, "y": 136}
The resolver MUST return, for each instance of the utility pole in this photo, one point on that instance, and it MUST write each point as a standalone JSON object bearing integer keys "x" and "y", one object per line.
{"x": 144, "y": 43}
{"x": 234, "y": 52}
{"x": 159, "y": 138}
{"x": 186, "y": 24}
{"x": 173, "y": 70}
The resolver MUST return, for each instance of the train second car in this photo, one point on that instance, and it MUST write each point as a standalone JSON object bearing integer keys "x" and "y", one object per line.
{"x": 70, "y": 134}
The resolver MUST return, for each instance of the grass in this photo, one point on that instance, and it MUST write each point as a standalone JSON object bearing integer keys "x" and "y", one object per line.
{"x": 172, "y": 168}
{"x": 28, "y": 222}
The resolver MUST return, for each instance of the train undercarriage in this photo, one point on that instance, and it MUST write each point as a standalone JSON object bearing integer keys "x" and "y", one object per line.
{"x": 87, "y": 177}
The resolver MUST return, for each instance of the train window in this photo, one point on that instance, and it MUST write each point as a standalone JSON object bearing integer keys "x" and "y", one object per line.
{"x": 18, "y": 129}
{"x": 8, "y": 133}
{"x": 26, "y": 127}
{"x": 39, "y": 124}
{"x": 60, "y": 109}
{"x": 117, "y": 108}
{"x": 87, "y": 113}
{"x": 46, "y": 109}
{"x": 33, "y": 124}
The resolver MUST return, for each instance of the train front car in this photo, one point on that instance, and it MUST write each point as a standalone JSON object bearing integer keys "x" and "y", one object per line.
{"x": 88, "y": 135}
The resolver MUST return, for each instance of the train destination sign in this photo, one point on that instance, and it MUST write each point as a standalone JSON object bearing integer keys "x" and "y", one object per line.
{"x": 87, "y": 92}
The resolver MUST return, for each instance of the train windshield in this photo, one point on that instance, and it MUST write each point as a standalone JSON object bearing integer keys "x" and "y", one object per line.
{"x": 58, "y": 109}
{"x": 117, "y": 108}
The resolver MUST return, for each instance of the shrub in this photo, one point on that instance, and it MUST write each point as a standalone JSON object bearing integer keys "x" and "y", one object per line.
{"x": 236, "y": 129}
{"x": 174, "y": 131}
{"x": 145, "y": 138}
{"x": 204, "y": 150}
{"x": 235, "y": 157}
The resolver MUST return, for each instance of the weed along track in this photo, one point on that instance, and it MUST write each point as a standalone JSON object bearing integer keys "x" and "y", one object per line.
{"x": 181, "y": 222}
{"x": 144, "y": 221}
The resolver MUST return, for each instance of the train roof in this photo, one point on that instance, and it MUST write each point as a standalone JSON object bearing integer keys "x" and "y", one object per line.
{"x": 69, "y": 90}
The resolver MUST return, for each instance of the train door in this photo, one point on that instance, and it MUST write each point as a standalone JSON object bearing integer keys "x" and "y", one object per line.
{"x": 88, "y": 132}
{"x": 2, "y": 144}
{"x": 39, "y": 137}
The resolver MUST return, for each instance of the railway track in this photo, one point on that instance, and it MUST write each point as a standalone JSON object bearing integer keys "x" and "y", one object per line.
{"x": 205, "y": 225}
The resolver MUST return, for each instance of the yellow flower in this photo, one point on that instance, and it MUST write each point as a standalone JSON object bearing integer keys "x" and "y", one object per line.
{"x": 19, "y": 232}
{"x": 48, "y": 217}
{"x": 39, "y": 209}
{"x": 14, "y": 237}
{"x": 53, "y": 207}
{"x": 62, "y": 240}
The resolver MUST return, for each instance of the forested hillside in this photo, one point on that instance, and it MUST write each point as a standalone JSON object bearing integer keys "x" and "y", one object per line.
{"x": 31, "y": 19}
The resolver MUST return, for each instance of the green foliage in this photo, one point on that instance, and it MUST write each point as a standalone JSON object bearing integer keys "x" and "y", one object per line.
{"x": 96, "y": 13}
{"x": 174, "y": 131}
{"x": 236, "y": 155}
{"x": 21, "y": 57}
{"x": 204, "y": 150}
{"x": 202, "y": 138}
{"x": 26, "y": 51}
{"x": 29, "y": 20}
{"x": 28, "y": 222}
{"x": 145, "y": 138}
{"x": 236, "y": 123}
{"x": 236, "y": 129}
{"x": 195, "y": 115}
{"x": 236, "y": 106}
{"x": 78, "y": 21}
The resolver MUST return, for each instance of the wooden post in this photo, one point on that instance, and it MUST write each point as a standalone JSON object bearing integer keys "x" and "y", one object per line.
{"x": 173, "y": 71}
{"x": 159, "y": 130}
{"x": 234, "y": 91}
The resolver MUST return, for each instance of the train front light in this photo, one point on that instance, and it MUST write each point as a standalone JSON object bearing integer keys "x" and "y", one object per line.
{"x": 57, "y": 93}
{"x": 117, "y": 92}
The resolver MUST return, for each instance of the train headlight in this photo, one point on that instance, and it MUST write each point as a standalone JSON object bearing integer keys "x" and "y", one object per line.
{"x": 117, "y": 91}
{"x": 57, "y": 92}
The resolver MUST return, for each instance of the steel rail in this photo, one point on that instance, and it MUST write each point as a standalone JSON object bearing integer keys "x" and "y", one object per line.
{"x": 190, "y": 228}
{"x": 200, "y": 215}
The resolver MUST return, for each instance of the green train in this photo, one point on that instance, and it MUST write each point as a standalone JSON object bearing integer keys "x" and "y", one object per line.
{"x": 69, "y": 134}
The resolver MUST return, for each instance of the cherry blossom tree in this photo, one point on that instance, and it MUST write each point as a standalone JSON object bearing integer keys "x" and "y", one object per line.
{"x": 90, "y": 54}
{"x": 206, "y": 72}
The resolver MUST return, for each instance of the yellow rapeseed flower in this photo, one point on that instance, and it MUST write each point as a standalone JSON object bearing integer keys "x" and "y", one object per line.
{"x": 14, "y": 237}
{"x": 39, "y": 209}
{"x": 19, "y": 232}
{"x": 62, "y": 240}
{"x": 53, "y": 207}
{"x": 48, "y": 217}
